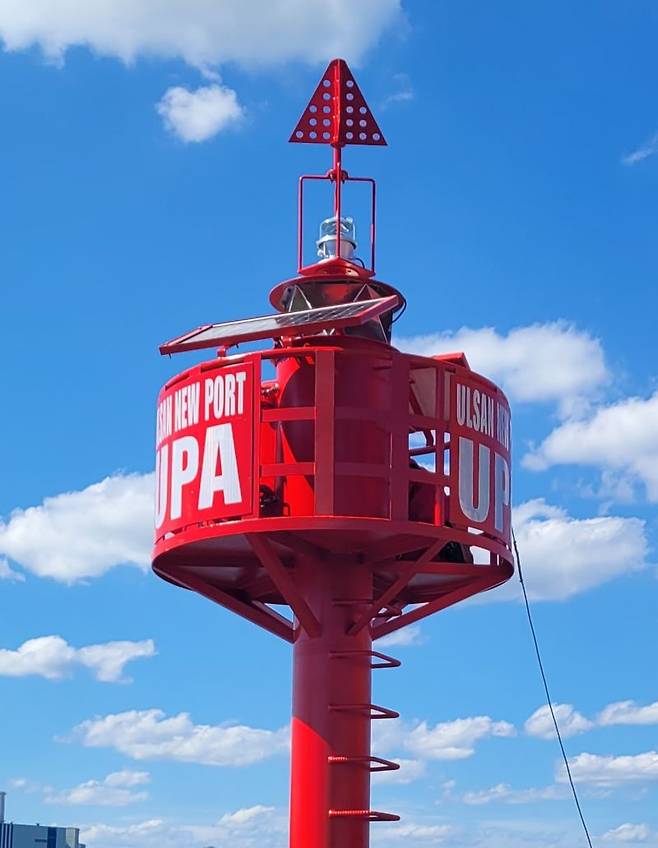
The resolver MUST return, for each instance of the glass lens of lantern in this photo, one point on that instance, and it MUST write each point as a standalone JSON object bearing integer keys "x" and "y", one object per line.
{"x": 326, "y": 244}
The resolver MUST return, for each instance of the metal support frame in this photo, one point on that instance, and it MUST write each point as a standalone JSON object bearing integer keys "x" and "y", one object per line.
{"x": 471, "y": 587}
{"x": 284, "y": 583}
{"x": 387, "y": 597}
{"x": 254, "y": 611}
{"x": 339, "y": 181}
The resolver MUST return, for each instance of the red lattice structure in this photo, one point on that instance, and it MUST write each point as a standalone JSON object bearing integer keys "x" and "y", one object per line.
{"x": 360, "y": 487}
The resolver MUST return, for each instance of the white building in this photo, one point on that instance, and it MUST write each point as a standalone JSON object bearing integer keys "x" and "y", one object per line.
{"x": 35, "y": 835}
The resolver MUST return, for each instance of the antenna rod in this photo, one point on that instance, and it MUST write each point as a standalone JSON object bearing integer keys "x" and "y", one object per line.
{"x": 338, "y": 153}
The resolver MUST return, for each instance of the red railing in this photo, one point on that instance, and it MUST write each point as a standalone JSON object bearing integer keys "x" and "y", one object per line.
{"x": 416, "y": 408}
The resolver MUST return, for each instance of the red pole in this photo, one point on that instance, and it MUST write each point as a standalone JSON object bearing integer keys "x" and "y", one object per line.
{"x": 338, "y": 168}
{"x": 330, "y": 774}
{"x": 338, "y": 174}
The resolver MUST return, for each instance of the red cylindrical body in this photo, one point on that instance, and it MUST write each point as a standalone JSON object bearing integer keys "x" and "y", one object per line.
{"x": 361, "y": 380}
{"x": 330, "y": 774}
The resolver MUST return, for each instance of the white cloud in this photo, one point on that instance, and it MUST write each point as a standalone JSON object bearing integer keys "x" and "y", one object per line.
{"x": 388, "y": 736}
{"x": 621, "y": 439}
{"x": 245, "y": 815}
{"x": 564, "y": 556}
{"x": 269, "y": 830}
{"x": 149, "y": 734}
{"x": 115, "y": 790}
{"x": 403, "y": 638}
{"x": 127, "y": 778}
{"x": 201, "y": 33}
{"x": 8, "y": 573}
{"x": 437, "y": 833}
{"x": 53, "y": 658}
{"x": 505, "y": 794}
{"x": 259, "y": 826}
{"x": 85, "y": 533}
{"x": 628, "y": 712}
{"x": 199, "y": 115}
{"x": 449, "y": 740}
{"x": 608, "y": 771}
{"x": 649, "y": 148}
{"x": 141, "y": 833}
{"x": 553, "y": 362}
{"x": 409, "y": 771}
{"x": 573, "y": 723}
{"x": 251, "y": 827}
{"x": 628, "y": 833}
{"x": 570, "y": 721}
{"x": 107, "y": 660}
{"x": 24, "y": 785}
{"x": 47, "y": 656}
{"x": 403, "y": 93}
{"x": 522, "y": 832}
{"x": 454, "y": 740}
{"x": 206, "y": 35}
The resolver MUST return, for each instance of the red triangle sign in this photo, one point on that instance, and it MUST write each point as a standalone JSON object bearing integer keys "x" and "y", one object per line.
{"x": 337, "y": 113}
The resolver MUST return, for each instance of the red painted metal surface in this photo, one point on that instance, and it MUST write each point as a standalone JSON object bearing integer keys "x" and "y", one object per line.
{"x": 204, "y": 447}
{"x": 361, "y": 487}
{"x": 337, "y": 113}
{"x": 331, "y": 713}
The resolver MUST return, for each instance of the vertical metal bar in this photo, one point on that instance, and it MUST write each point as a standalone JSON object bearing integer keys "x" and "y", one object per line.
{"x": 257, "y": 366}
{"x": 399, "y": 418}
{"x": 373, "y": 214}
{"x": 439, "y": 447}
{"x": 338, "y": 168}
{"x": 300, "y": 224}
{"x": 325, "y": 422}
{"x": 337, "y": 197}
{"x": 373, "y": 226}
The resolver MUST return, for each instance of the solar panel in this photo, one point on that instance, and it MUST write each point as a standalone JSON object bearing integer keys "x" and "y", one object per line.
{"x": 308, "y": 322}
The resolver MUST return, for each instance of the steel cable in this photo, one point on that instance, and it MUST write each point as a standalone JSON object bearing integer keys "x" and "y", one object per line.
{"x": 548, "y": 694}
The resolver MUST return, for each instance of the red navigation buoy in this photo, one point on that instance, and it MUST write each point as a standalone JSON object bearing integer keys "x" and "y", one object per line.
{"x": 362, "y": 487}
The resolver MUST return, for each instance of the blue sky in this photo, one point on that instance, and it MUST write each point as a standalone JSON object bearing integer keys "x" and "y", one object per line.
{"x": 147, "y": 187}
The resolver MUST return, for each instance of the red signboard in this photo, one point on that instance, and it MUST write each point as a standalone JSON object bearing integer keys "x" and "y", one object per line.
{"x": 204, "y": 448}
{"x": 480, "y": 434}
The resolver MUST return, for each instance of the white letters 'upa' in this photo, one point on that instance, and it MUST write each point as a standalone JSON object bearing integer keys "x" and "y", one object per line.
{"x": 219, "y": 449}
{"x": 501, "y": 491}
{"x": 466, "y": 493}
{"x": 219, "y": 445}
{"x": 184, "y": 467}
{"x": 161, "y": 484}
{"x": 467, "y": 500}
